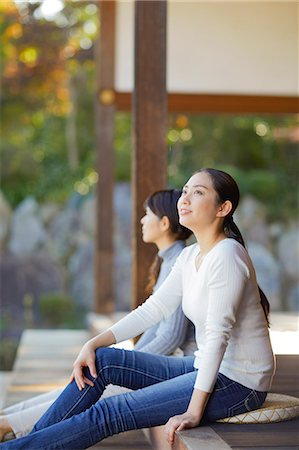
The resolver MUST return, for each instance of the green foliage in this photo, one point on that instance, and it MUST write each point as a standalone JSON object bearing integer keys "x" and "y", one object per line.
{"x": 8, "y": 350}
{"x": 48, "y": 94}
{"x": 264, "y": 166}
{"x": 58, "y": 310}
{"x": 123, "y": 146}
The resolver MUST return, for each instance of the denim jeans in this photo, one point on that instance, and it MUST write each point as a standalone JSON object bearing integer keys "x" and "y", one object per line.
{"x": 161, "y": 388}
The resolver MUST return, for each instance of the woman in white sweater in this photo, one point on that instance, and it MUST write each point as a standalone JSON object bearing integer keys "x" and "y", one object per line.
{"x": 160, "y": 226}
{"x": 232, "y": 368}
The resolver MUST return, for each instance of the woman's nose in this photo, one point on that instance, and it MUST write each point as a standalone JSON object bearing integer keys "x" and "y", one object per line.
{"x": 142, "y": 220}
{"x": 185, "y": 199}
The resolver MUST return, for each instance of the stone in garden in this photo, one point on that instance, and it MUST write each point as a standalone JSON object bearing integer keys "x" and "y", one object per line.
{"x": 88, "y": 215}
{"x": 23, "y": 280}
{"x": 123, "y": 207}
{"x": 288, "y": 251}
{"x": 251, "y": 219}
{"x": 27, "y": 232}
{"x": 250, "y": 211}
{"x": 122, "y": 239}
{"x": 123, "y": 287}
{"x": 268, "y": 274}
{"x": 5, "y": 219}
{"x": 48, "y": 211}
{"x": 81, "y": 275}
{"x": 64, "y": 233}
{"x": 293, "y": 298}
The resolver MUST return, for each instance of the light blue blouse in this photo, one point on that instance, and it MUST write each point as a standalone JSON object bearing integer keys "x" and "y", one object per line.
{"x": 176, "y": 331}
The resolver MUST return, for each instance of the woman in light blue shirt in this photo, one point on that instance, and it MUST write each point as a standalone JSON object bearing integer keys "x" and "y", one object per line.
{"x": 160, "y": 225}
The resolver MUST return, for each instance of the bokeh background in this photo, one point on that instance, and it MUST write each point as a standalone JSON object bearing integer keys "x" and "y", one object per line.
{"x": 48, "y": 177}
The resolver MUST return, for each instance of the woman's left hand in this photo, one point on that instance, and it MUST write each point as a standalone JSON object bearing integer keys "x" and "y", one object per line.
{"x": 178, "y": 423}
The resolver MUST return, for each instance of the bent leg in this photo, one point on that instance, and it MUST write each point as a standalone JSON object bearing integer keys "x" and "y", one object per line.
{"x": 146, "y": 407}
{"x": 130, "y": 369}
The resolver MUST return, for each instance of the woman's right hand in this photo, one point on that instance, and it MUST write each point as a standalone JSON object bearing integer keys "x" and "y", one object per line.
{"x": 86, "y": 358}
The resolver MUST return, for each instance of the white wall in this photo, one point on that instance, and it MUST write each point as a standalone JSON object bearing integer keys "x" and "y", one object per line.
{"x": 220, "y": 47}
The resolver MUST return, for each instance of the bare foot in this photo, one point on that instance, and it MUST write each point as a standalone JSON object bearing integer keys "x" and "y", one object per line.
{"x": 4, "y": 427}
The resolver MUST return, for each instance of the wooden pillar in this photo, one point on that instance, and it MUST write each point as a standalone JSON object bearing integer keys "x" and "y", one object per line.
{"x": 104, "y": 113}
{"x": 149, "y": 170}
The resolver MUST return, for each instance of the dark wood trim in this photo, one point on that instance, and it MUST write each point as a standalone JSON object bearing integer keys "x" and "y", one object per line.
{"x": 149, "y": 161}
{"x": 221, "y": 104}
{"x": 104, "y": 113}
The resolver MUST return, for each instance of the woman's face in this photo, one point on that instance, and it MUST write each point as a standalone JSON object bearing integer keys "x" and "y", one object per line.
{"x": 152, "y": 228}
{"x": 197, "y": 205}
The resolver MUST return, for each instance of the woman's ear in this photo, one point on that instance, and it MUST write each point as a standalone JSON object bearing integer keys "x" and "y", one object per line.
{"x": 165, "y": 223}
{"x": 224, "y": 209}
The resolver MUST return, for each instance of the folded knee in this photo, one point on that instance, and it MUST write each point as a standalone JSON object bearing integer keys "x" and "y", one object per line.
{"x": 106, "y": 357}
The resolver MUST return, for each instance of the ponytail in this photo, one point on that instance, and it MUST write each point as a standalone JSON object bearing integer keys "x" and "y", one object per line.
{"x": 232, "y": 231}
{"x": 154, "y": 271}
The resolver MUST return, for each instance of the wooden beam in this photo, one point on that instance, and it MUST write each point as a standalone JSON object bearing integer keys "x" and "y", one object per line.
{"x": 104, "y": 112}
{"x": 149, "y": 162}
{"x": 221, "y": 104}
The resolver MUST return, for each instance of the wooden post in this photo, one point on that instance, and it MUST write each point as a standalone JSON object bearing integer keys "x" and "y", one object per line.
{"x": 149, "y": 162}
{"x": 104, "y": 112}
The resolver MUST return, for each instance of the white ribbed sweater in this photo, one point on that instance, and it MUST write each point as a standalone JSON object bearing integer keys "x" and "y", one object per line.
{"x": 223, "y": 302}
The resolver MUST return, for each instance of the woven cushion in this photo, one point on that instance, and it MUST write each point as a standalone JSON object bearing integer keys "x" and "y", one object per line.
{"x": 276, "y": 408}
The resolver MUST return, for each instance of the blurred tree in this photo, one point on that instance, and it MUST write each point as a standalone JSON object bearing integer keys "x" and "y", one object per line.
{"x": 47, "y": 70}
{"x": 47, "y": 118}
{"x": 263, "y": 160}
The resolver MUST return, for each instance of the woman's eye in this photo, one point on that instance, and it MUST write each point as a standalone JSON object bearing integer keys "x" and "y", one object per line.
{"x": 198, "y": 192}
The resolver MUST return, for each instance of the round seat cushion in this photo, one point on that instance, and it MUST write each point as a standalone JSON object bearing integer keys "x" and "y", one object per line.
{"x": 276, "y": 408}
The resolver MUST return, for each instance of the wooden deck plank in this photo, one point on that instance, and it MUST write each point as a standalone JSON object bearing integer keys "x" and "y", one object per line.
{"x": 269, "y": 435}
{"x": 209, "y": 440}
{"x": 131, "y": 440}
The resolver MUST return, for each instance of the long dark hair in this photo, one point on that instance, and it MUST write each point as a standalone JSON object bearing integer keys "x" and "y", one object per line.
{"x": 227, "y": 189}
{"x": 164, "y": 203}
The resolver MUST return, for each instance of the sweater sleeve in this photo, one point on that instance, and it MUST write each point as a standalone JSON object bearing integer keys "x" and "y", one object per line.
{"x": 169, "y": 335}
{"x": 228, "y": 273}
{"x": 158, "y": 306}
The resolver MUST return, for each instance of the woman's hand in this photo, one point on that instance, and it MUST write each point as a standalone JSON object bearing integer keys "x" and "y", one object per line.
{"x": 86, "y": 358}
{"x": 179, "y": 423}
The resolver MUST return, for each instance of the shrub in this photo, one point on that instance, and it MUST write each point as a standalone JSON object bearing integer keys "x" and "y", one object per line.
{"x": 58, "y": 310}
{"x": 8, "y": 350}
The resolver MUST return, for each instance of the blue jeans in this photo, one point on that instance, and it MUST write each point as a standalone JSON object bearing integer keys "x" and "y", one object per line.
{"x": 162, "y": 387}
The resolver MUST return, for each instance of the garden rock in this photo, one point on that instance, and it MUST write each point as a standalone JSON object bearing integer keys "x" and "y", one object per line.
{"x": 268, "y": 274}
{"x": 64, "y": 235}
{"x": 293, "y": 298}
{"x": 48, "y": 212}
{"x": 81, "y": 273}
{"x": 23, "y": 280}
{"x": 251, "y": 219}
{"x": 27, "y": 232}
{"x": 5, "y": 219}
{"x": 288, "y": 251}
{"x": 88, "y": 216}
